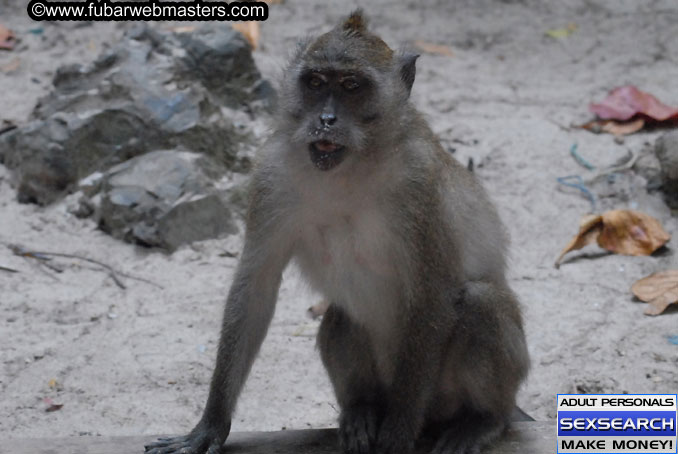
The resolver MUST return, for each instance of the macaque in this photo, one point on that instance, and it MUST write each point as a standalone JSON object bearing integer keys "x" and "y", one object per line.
{"x": 422, "y": 333}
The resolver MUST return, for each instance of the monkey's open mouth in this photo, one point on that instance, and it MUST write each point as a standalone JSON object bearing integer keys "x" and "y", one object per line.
{"x": 325, "y": 154}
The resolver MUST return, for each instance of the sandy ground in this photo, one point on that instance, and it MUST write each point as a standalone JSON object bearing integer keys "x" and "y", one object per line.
{"x": 138, "y": 361}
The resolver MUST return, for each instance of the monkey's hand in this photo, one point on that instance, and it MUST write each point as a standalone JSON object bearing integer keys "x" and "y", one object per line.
{"x": 201, "y": 440}
{"x": 396, "y": 435}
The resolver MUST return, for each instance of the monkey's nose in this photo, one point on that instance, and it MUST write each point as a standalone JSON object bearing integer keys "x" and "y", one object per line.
{"x": 328, "y": 119}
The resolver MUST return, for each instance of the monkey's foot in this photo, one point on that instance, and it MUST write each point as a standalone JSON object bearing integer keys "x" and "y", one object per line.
{"x": 395, "y": 435}
{"x": 468, "y": 438}
{"x": 197, "y": 442}
{"x": 358, "y": 429}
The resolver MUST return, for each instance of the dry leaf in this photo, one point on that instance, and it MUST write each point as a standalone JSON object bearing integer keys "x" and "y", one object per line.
{"x": 183, "y": 29}
{"x": 589, "y": 230}
{"x": 659, "y": 290}
{"x": 436, "y": 49}
{"x": 618, "y": 128}
{"x": 11, "y": 65}
{"x": 564, "y": 32}
{"x": 54, "y": 407}
{"x": 250, "y": 31}
{"x": 624, "y": 102}
{"x": 7, "y": 38}
{"x": 51, "y": 406}
{"x": 623, "y": 128}
{"x": 624, "y": 232}
{"x": 631, "y": 232}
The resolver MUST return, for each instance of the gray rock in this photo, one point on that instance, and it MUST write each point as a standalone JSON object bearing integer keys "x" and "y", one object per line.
{"x": 666, "y": 151}
{"x": 82, "y": 208}
{"x": 221, "y": 59}
{"x": 647, "y": 166}
{"x": 152, "y": 91}
{"x": 164, "y": 199}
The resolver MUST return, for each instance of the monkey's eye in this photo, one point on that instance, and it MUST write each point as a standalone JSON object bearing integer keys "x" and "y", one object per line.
{"x": 315, "y": 82}
{"x": 350, "y": 84}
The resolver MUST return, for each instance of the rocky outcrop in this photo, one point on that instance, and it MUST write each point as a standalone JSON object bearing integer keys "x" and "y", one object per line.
{"x": 164, "y": 199}
{"x": 666, "y": 151}
{"x": 151, "y": 91}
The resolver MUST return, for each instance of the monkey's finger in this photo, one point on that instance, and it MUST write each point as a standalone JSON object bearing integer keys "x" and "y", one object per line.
{"x": 372, "y": 427}
{"x": 444, "y": 444}
{"x": 153, "y": 447}
{"x": 453, "y": 442}
{"x": 177, "y": 447}
{"x": 364, "y": 445}
{"x": 165, "y": 441}
{"x": 159, "y": 450}
{"x": 174, "y": 439}
{"x": 367, "y": 437}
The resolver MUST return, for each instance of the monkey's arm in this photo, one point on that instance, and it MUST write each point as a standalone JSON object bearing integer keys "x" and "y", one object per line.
{"x": 247, "y": 315}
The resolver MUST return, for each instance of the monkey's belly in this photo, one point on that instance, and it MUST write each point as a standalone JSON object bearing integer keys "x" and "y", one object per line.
{"x": 353, "y": 266}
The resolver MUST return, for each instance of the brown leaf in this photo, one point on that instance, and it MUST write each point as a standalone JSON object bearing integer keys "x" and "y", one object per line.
{"x": 659, "y": 290}
{"x": 631, "y": 232}
{"x": 183, "y": 29}
{"x": 624, "y": 232}
{"x": 589, "y": 229}
{"x": 624, "y": 102}
{"x": 7, "y": 38}
{"x": 625, "y": 128}
{"x": 250, "y": 30}
{"x": 618, "y": 128}
{"x": 435, "y": 49}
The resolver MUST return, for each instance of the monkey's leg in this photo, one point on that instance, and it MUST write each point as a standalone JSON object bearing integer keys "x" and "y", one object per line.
{"x": 484, "y": 366}
{"x": 346, "y": 352}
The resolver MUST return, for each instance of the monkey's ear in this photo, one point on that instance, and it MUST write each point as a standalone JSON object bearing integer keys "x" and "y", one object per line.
{"x": 408, "y": 69}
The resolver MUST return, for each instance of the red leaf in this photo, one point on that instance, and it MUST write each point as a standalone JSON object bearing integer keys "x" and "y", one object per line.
{"x": 51, "y": 406}
{"x": 624, "y": 102}
{"x": 7, "y": 38}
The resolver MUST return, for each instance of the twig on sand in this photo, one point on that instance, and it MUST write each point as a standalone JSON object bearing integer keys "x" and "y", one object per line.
{"x": 43, "y": 257}
{"x": 625, "y": 163}
{"x": 9, "y": 270}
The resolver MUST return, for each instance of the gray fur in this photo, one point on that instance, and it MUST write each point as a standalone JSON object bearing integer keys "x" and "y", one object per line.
{"x": 422, "y": 330}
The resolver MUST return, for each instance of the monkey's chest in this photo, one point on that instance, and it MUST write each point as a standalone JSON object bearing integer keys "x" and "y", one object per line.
{"x": 352, "y": 261}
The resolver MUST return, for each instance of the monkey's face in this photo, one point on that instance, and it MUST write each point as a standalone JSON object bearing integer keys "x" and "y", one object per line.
{"x": 343, "y": 95}
{"x": 339, "y": 105}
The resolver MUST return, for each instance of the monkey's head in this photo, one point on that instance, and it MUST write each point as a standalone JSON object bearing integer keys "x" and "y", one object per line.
{"x": 344, "y": 93}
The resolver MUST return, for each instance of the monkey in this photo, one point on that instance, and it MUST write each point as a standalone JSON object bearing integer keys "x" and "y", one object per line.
{"x": 422, "y": 336}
